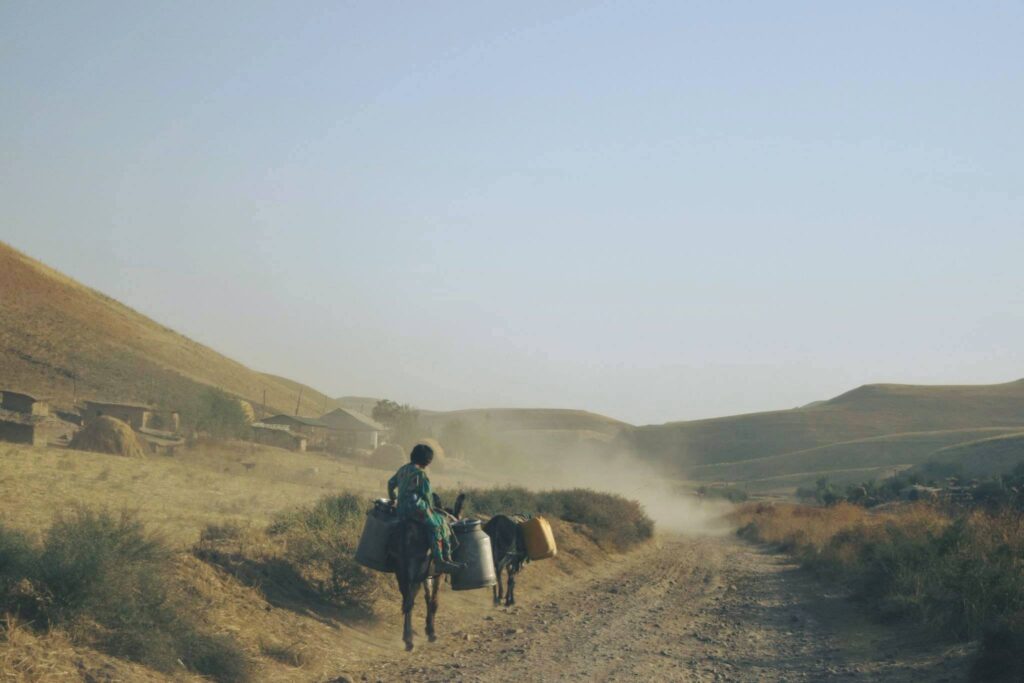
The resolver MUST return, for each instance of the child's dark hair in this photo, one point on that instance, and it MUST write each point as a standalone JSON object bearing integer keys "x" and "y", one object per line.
{"x": 422, "y": 454}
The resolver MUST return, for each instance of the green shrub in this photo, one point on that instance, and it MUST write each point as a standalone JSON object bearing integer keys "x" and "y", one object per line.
{"x": 614, "y": 522}
{"x": 319, "y": 544}
{"x": 729, "y": 493}
{"x": 108, "y": 582}
{"x": 217, "y": 414}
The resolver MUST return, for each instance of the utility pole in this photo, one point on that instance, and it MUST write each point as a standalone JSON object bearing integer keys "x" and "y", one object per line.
{"x": 298, "y": 402}
{"x": 263, "y": 409}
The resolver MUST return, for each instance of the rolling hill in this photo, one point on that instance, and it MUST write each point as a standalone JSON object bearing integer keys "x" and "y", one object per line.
{"x": 874, "y": 452}
{"x": 61, "y": 339}
{"x": 529, "y": 419}
{"x": 869, "y": 411}
{"x": 985, "y": 457}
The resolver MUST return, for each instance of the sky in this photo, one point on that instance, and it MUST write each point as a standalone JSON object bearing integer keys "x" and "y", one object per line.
{"x": 656, "y": 210}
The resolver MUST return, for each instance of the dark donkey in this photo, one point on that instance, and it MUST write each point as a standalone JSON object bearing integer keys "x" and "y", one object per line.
{"x": 509, "y": 549}
{"x": 410, "y": 552}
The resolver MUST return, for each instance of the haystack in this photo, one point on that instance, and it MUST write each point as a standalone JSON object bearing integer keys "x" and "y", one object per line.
{"x": 107, "y": 434}
{"x": 435, "y": 445}
{"x": 389, "y": 455}
{"x": 247, "y": 411}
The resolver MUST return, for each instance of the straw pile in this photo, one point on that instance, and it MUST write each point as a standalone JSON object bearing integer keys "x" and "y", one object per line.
{"x": 107, "y": 434}
{"x": 247, "y": 411}
{"x": 435, "y": 445}
{"x": 389, "y": 455}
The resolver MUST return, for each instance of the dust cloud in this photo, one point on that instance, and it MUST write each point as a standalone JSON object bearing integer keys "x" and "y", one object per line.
{"x": 671, "y": 503}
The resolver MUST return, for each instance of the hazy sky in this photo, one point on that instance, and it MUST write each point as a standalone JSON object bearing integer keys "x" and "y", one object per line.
{"x": 652, "y": 210}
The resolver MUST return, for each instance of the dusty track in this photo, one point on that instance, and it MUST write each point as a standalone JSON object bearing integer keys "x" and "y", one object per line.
{"x": 681, "y": 609}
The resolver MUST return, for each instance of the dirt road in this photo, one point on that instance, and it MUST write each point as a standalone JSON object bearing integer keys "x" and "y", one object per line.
{"x": 682, "y": 609}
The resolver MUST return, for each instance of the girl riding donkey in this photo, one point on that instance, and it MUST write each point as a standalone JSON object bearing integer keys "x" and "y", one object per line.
{"x": 415, "y": 500}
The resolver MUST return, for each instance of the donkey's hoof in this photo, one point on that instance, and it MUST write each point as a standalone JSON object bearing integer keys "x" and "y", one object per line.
{"x": 408, "y": 646}
{"x": 432, "y": 637}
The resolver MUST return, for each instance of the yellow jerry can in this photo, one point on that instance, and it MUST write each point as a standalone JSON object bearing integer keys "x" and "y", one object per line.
{"x": 540, "y": 541}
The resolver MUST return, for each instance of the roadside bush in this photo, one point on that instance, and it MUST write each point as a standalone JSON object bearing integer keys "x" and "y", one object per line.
{"x": 614, "y": 522}
{"x": 108, "y": 582}
{"x": 319, "y": 542}
{"x": 729, "y": 493}
{"x": 963, "y": 575}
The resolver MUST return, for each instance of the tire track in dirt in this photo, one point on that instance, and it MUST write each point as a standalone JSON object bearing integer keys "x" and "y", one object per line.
{"x": 680, "y": 609}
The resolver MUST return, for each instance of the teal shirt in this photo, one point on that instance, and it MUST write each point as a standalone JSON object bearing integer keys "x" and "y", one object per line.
{"x": 415, "y": 495}
{"x": 416, "y": 498}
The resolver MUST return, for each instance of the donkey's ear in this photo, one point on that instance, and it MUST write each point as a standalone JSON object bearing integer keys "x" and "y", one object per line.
{"x": 457, "y": 511}
{"x": 437, "y": 502}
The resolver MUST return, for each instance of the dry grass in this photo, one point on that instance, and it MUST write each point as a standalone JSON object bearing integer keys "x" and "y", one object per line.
{"x": 211, "y": 484}
{"x": 107, "y": 434}
{"x": 234, "y": 490}
{"x": 810, "y": 529}
{"x": 27, "y": 656}
{"x": 962, "y": 577}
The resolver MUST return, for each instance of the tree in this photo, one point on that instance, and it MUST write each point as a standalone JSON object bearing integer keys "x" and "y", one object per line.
{"x": 220, "y": 415}
{"x": 402, "y": 421}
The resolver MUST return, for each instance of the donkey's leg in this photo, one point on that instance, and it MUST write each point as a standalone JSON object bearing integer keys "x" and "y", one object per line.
{"x": 511, "y": 598}
{"x": 499, "y": 590}
{"x": 433, "y": 587}
{"x": 408, "y": 601}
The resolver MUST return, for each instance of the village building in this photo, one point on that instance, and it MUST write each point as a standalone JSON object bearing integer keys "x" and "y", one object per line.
{"x": 350, "y": 429}
{"x": 313, "y": 429}
{"x": 278, "y": 435}
{"x": 27, "y": 420}
{"x": 23, "y": 403}
{"x": 139, "y": 416}
{"x": 23, "y": 428}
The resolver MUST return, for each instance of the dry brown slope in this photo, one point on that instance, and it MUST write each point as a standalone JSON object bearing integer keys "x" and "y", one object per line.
{"x": 529, "y": 419}
{"x": 52, "y": 327}
{"x": 871, "y": 410}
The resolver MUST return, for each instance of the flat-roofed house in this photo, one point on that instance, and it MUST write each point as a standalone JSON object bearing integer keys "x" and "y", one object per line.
{"x": 25, "y": 419}
{"x": 17, "y": 402}
{"x": 350, "y": 429}
{"x": 139, "y": 415}
{"x": 313, "y": 429}
{"x": 23, "y": 428}
{"x": 278, "y": 435}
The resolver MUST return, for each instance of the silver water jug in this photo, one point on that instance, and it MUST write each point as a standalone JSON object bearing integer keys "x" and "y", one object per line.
{"x": 474, "y": 551}
{"x": 372, "y": 551}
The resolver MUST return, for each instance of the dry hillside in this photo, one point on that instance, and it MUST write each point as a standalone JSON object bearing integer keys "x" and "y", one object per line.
{"x": 529, "y": 419}
{"x": 985, "y": 457}
{"x": 53, "y": 328}
{"x": 869, "y": 411}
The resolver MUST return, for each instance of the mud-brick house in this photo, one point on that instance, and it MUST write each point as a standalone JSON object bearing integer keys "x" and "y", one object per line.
{"x": 313, "y": 429}
{"x": 278, "y": 435}
{"x": 25, "y": 419}
{"x": 22, "y": 428}
{"x": 350, "y": 429}
{"x": 23, "y": 403}
{"x": 139, "y": 416}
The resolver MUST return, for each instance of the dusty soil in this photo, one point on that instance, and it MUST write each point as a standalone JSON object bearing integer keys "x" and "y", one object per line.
{"x": 681, "y": 609}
